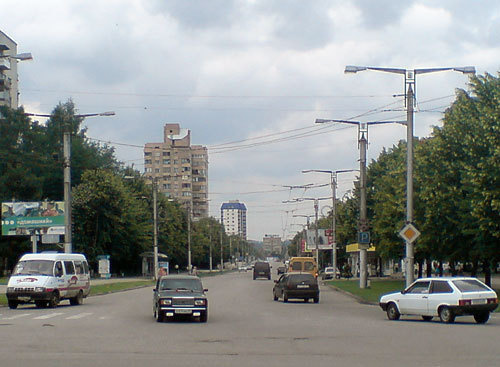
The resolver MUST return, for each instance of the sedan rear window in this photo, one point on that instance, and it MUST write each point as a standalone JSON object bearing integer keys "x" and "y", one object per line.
{"x": 470, "y": 285}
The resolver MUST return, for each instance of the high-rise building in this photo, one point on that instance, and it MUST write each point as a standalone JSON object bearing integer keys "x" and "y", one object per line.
{"x": 9, "y": 92}
{"x": 234, "y": 218}
{"x": 179, "y": 169}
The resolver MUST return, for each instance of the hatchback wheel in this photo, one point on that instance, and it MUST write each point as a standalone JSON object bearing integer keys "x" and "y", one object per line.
{"x": 392, "y": 312}
{"x": 446, "y": 315}
{"x": 275, "y": 297}
{"x": 285, "y": 297}
{"x": 482, "y": 317}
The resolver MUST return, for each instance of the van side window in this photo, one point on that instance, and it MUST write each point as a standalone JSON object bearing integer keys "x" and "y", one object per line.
{"x": 58, "y": 269}
{"x": 79, "y": 267}
{"x": 70, "y": 268}
{"x": 85, "y": 267}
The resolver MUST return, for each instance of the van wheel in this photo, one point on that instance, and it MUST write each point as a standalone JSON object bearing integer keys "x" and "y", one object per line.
{"x": 446, "y": 315}
{"x": 78, "y": 300}
{"x": 54, "y": 300}
{"x": 13, "y": 304}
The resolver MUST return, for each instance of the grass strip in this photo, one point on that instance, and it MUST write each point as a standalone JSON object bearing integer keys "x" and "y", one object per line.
{"x": 376, "y": 290}
{"x": 106, "y": 288}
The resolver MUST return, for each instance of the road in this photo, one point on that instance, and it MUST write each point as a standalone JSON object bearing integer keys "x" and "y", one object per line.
{"x": 245, "y": 328}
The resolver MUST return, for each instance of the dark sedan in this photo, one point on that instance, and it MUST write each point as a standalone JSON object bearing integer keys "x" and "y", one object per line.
{"x": 296, "y": 285}
{"x": 179, "y": 295}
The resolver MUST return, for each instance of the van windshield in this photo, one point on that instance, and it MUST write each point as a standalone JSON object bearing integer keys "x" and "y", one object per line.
{"x": 34, "y": 267}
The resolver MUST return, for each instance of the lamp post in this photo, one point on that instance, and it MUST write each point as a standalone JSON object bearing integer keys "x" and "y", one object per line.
{"x": 316, "y": 208}
{"x": 154, "y": 184}
{"x": 68, "y": 247}
{"x": 410, "y": 84}
{"x": 10, "y": 80}
{"x": 333, "y": 177}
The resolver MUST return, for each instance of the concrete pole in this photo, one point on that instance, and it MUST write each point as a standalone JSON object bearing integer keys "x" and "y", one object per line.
{"x": 316, "y": 207}
{"x": 221, "y": 248}
{"x": 155, "y": 230}
{"x": 334, "y": 239}
{"x": 34, "y": 242}
{"x": 362, "y": 213}
{"x": 410, "y": 259}
{"x": 68, "y": 248}
{"x": 189, "y": 235}
{"x": 210, "y": 250}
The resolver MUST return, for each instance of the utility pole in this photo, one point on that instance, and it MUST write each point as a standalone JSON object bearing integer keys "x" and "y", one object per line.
{"x": 210, "y": 248}
{"x": 304, "y": 237}
{"x": 363, "y": 222}
{"x": 221, "y": 248}
{"x": 68, "y": 248}
{"x": 189, "y": 234}
{"x": 316, "y": 207}
{"x": 410, "y": 81}
{"x": 155, "y": 228}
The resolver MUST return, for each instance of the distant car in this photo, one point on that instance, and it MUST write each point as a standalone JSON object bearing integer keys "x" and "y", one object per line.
{"x": 445, "y": 297}
{"x": 296, "y": 285}
{"x": 242, "y": 268}
{"x": 249, "y": 267}
{"x": 329, "y": 273}
{"x": 281, "y": 270}
{"x": 262, "y": 269}
{"x": 179, "y": 295}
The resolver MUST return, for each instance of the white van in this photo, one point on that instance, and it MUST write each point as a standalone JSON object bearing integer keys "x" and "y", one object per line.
{"x": 47, "y": 278}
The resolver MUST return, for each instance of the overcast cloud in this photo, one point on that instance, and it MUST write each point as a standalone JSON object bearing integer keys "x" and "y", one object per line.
{"x": 234, "y": 70}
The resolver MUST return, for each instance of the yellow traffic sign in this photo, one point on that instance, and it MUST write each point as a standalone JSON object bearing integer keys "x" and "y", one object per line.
{"x": 409, "y": 233}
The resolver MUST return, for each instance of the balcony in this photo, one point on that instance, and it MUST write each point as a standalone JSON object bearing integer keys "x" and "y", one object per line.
{"x": 5, "y": 82}
{"x": 4, "y": 63}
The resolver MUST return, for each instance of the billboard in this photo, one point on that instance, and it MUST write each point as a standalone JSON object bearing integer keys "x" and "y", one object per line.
{"x": 21, "y": 218}
{"x": 324, "y": 240}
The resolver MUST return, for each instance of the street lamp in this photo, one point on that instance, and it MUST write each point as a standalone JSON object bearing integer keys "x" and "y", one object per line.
{"x": 316, "y": 208}
{"x": 68, "y": 247}
{"x": 410, "y": 83}
{"x": 333, "y": 176}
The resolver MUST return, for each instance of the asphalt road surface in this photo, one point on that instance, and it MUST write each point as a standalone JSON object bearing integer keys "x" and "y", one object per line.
{"x": 245, "y": 328}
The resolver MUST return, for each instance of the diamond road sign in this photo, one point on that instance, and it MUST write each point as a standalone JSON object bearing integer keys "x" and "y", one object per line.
{"x": 409, "y": 233}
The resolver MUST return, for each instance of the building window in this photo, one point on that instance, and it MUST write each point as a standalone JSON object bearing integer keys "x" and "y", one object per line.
{"x": 157, "y": 154}
{"x": 147, "y": 154}
{"x": 185, "y": 160}
{"x": 147, "y": 161}
{"x": 166, "y": 161}
{"x": 166, "y": 154}
{"x": 186, "y": 186}
{"x": 186, "y": 193}
{"x": 166, "y": 169}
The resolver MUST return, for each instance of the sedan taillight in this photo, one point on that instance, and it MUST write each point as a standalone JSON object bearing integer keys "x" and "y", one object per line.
{"x": 492, "y": 301}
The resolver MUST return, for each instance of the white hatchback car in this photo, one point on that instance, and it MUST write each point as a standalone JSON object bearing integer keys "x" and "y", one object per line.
{"x": 445, "y": 297}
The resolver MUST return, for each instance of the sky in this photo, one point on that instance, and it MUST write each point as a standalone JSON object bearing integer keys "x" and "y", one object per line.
{"x": 249, "y": 78}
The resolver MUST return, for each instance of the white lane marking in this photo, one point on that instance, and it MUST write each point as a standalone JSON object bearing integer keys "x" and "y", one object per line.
{"x": 16, "y": 316}
{"x": 79, "y": 316}
{"x": 48, "y": 316}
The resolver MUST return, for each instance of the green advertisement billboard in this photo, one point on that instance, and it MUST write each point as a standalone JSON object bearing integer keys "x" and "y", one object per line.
{"x": 21, "y": 218}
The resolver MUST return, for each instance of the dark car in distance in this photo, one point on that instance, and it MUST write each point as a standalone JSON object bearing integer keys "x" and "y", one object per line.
{"x": 261, "y": 269}
{"x": 179, "y": 295}
{"x": 296, "y": 285}
{"x": 281, "y": 270}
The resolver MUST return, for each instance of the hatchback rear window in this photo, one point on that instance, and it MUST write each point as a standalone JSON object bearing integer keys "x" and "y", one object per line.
{"x": 470, "y": 285}
{"x": 301, "y": 278}
{"x": 308, "y": 265}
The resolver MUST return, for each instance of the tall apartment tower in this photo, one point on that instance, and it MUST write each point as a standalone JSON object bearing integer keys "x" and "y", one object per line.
{"x": 179, "y": 169}
{"x": 234, "y": 218}
{"x": 9, "y": 90}
{"x": 271, "y": 244}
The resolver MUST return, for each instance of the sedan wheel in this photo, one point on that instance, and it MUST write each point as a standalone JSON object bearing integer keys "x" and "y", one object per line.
{"x": 159, "y": 315}
{"x": 392, "y": 312}
{"x": 446, "y": 315}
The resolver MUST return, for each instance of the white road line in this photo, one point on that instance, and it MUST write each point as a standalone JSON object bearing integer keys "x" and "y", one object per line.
{"x": 48, "y": 316}
{"x": 16, "y": 316}
{"x": 79, "y": 316}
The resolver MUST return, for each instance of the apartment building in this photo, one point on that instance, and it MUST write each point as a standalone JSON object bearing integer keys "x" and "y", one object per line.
{"x": 234, "y": 218}
{"x": 179, "y": 169}
{"x": 9, "y": 91}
